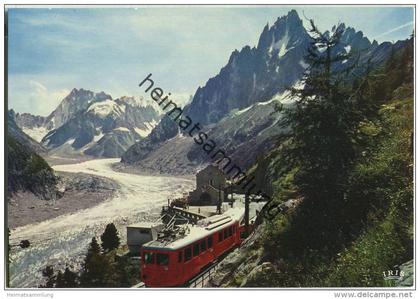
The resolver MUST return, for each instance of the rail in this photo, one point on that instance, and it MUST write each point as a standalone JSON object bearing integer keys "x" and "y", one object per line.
{"x": 203, "y": 278}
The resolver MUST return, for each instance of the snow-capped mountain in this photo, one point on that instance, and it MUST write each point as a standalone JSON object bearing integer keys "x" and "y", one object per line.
{"x": 38, "y": 126}
{"x": 97, "y": 125}
{"x": 78, "y": 100}
{"x": 254, "y": 74}
{"x": 237, "y": 106}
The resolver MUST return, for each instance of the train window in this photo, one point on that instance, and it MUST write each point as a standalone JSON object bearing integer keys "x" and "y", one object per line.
{"x": 149, "y": 258}
{"x": 162, "y": 259}
{"x": 230, "y": 231}
{"x": 220, "y": 236}
{"x": 180, "y": 257}
{"x": 225, "y": 234}
{"x": 187, "y": 254}
{"x": 196, "y": 249}
{"x": 234, "y": 229}
{"x": 203, "y": 245}
{"x": 209, "y": 242}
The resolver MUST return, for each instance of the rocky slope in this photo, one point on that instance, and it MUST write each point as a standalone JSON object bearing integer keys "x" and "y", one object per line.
{"x": 15, "y": 131}
{"x": 79, "y": 191}
{"x": 32, "y": 125}
{"x": 381, "y": 181}
{"x": 27, "y": 171}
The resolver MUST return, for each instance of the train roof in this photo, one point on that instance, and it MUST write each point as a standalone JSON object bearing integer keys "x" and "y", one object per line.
{"x": 204, "y": 228}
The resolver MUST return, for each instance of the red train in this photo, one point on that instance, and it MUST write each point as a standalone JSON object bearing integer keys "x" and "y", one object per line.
{"x": 173, "y": 261}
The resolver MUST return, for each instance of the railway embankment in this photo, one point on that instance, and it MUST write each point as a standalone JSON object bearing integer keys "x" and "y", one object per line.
{"x": 242, "y": 264}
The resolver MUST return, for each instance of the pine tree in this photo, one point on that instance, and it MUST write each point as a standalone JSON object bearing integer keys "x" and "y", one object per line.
{"x": 93, "y": 274}
{"x": 48, "y": 273}
{"x": 70, "y": 278}
{"x": 109, "y": 238}
{"x": 60, "y": 280}
{"x": 323, "y": 144}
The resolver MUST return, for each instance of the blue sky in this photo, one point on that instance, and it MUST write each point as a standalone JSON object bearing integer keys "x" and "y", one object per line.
{"x": 54, "y": 50}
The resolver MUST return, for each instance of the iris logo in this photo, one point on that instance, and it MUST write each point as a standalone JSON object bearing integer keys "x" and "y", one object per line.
{"x": 395, "y": 274}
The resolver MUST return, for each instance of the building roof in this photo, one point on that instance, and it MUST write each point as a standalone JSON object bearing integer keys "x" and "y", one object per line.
{"x": 204, "y": 228}
{"x": 211, "y": 167}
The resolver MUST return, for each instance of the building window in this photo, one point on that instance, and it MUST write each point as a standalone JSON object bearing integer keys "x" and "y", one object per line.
{"x": 210, "y": 242}
{"x": 149, "y": 258}
{"x": 180, "y": 257}
{"x": 196, "y": 249}
{"x": 220, "y": 236}
{"x": 162, "y": 259}
{"x": 187, "y": 254}
{"x": 203, "y": 245}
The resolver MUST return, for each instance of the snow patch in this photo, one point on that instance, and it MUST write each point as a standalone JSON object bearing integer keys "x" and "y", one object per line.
{"x": 243, "y": 110}
{"x": 36, "y": 133}
{"x": 303, "y": 64}
{"x": 134, "y": 101}
{"x": 149, "y": 127}
{"x": 347, "y": 48}
{"x": 283, "y": 97}
{"x": 124, "y": 129}
{"x": 281, "y": 45}
{"x": 106, "y": 108}
{"x": 70, "y": 141}
{"x": 98, "y": 137}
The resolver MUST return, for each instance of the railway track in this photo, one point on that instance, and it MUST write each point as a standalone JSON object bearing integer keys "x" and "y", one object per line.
{"x": 203, "y": 278}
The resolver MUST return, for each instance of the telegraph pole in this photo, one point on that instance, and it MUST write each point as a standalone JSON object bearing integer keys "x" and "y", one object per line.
{"x": 219, "y": 203}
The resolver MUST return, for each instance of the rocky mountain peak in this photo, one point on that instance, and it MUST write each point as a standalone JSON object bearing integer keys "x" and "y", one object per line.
{"x": 102, "y": 96}
{"x": 285, "y": 32}
{"x": 254, "y": 74}
{"x": 355, "y": 39}
{"x": 77, "y": 100}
